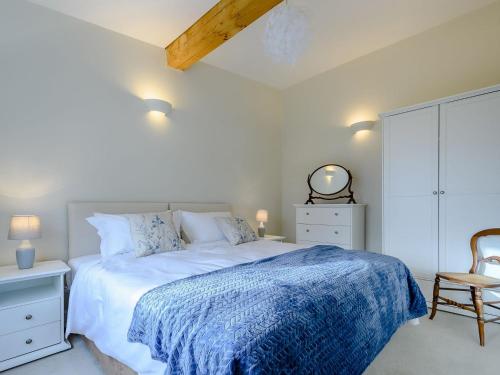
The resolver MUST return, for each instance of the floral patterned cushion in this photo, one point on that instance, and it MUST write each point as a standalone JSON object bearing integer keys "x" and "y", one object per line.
{"x": 236, "y": 230}
{"x": 153, "y": 233}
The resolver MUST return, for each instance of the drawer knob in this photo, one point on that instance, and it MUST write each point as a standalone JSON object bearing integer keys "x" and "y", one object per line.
{"x": 336, "y": 232}
{"x": 307, "y": 230}
{"x": 307, "y": 213}
{"x": 28, "y": 317}
{"x": 29, "y": 341}
{"x": 336, "y": 214}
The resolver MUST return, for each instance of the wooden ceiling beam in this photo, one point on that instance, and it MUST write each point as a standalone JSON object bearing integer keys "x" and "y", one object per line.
{"x": 221, "y": 23}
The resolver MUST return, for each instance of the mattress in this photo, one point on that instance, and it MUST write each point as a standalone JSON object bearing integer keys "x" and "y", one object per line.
{"x": 75, "y": 263}
{"x": 104, "y": 293}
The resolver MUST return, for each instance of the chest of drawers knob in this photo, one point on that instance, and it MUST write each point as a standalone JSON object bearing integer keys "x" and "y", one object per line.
{"x": 336, "y": 214}
{"x": 307, "y": 230}
{"x": 336, "y": 232}
{"x": 29, "y": 341}
{"x": 28, "y": 317}
{"x": 307, "y": 213}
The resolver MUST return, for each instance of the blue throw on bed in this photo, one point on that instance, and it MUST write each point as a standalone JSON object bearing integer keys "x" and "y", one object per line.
{"x": 322, "y": 310}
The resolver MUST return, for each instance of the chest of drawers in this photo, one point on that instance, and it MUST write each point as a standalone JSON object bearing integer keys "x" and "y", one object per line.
{"x": 31, "y": 313}
{"x": 333, "y": 224}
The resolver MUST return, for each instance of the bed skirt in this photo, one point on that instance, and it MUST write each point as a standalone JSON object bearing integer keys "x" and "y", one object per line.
{"x": 110, "y": 365}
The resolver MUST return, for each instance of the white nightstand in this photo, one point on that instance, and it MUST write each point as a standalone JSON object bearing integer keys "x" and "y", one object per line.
{"x": 31, "y": 312}
{"x": 270, "y": 237}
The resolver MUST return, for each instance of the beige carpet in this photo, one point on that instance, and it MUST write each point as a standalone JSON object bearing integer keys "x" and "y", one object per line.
{"x": 448, "y": 345}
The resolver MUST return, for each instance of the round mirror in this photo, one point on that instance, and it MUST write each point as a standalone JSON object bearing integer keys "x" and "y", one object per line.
{"x": 329, "y": 179}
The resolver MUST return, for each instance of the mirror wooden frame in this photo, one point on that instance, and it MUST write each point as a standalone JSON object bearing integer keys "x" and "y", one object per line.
{"x": 331, "y": 196}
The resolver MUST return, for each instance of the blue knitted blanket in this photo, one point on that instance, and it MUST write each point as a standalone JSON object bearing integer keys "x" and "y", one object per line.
{"x": 321, "y": 310}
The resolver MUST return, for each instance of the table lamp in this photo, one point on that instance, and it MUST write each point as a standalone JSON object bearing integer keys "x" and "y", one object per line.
{"x": 262, "y": 217}
{"x": 25, "y": 228}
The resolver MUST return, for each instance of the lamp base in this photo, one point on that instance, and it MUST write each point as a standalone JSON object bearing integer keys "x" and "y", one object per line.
{"x": 25, "y": 258}
{"x": 261, "y": 231}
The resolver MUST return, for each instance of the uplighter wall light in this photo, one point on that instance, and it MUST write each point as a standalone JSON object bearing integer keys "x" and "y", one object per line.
{"x": 362, "y": 125}
{"x": 158, "y": 105}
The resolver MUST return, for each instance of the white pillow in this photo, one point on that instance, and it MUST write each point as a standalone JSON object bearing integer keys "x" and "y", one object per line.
{"x": 177, "y": 218}
{"x": 114, "y": 231}
{"x": 201, "y": 226}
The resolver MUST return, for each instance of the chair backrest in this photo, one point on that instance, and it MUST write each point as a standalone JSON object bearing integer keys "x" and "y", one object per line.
{"x": 485, "y": 246}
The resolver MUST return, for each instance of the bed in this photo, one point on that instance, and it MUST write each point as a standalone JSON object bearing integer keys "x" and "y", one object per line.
{"x": 106, "y": 295}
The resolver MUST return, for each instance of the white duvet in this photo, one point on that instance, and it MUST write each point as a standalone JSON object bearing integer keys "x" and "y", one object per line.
{"x": 104, "y": 293}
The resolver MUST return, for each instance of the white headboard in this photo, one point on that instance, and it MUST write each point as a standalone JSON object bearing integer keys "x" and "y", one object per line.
{"x": 83, "y": 238}
{"x": 201, "y": 207}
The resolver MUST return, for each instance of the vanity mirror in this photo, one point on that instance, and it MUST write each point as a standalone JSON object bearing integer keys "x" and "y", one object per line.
{"x": 329, "y": 180}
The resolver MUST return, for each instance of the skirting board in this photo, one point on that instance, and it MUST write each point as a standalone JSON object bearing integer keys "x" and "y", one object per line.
{"x": 110, "y": 365}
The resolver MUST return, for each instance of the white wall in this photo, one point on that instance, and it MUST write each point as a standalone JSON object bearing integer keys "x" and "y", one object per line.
{"x": 73, "y": 127}
{"x": 461, "y": 55}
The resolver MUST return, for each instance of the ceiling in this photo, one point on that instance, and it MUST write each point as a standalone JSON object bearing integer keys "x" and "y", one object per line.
{"x": 342, "y": 30}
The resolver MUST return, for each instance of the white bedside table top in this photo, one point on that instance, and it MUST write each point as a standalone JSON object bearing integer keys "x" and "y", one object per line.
{"x": 271, "y": 237}
{"x": 40, "y": 269}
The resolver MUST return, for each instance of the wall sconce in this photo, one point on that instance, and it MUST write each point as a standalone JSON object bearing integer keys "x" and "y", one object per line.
{"x": 158, "y": 105}
{"x": 362, "y": 125}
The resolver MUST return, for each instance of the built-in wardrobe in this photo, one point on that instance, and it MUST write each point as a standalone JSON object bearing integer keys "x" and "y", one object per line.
{"x": 441, "y": 181}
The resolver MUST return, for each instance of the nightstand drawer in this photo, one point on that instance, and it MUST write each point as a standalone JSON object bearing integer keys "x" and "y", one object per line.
{"x": 323, "y": 233}
{"x": 325, "y": 216}
{"x": 29, "y": 340}
{"x": 31, "y": 315}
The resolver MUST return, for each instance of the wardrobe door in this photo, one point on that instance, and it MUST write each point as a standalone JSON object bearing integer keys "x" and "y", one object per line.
{"x": 469, "y": 176}
{"x": 410, "y": 189}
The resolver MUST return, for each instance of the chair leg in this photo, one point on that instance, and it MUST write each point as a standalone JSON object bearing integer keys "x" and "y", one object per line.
{"x": 435, "y": 295}
{"x": 477, "y": 297}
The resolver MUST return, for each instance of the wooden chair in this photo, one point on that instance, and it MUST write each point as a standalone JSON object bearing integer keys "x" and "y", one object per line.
{"x": 485, "y": 264}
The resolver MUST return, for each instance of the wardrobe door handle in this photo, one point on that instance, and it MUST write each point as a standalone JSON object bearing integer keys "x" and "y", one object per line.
{"x": 435, "y": 192}
{"x": 28, "y": 317}
{"x": 29, "y": 341}
{"x": 441, "y": 192}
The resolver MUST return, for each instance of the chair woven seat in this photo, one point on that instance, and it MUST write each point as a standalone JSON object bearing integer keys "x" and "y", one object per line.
{"x": 471, "y": 279}
{"x": 475, "y": 281}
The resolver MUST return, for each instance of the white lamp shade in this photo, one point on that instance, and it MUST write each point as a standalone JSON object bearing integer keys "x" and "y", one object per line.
{"x": 24, "y": 227}
{"x": 158, "y": 105}
{"x": 262, "y": 216}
